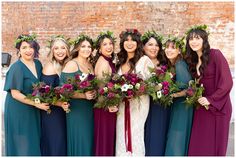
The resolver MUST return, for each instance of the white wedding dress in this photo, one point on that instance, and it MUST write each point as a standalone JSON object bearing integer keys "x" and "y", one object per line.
{"x": 139, "y": 108}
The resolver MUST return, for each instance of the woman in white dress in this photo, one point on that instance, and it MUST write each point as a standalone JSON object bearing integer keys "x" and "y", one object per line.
{"x": 132, "y": 116}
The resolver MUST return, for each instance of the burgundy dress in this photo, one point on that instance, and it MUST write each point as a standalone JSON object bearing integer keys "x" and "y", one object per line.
{"x": 104, "y": 127}
{"x": 210, "y": 128}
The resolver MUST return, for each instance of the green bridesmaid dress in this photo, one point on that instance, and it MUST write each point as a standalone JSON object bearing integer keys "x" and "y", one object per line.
{"x": 79, "y": 124}
{"x": 22, "y": 122}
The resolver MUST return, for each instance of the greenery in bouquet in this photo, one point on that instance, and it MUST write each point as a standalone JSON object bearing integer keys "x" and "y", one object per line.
{"x": 85, "y": 82}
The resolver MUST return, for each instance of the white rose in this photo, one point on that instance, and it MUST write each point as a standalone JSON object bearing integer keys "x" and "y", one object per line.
{"x": 159, "y": 94}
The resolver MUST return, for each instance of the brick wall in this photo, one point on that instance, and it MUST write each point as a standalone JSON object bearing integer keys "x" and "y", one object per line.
{"x": 71, "y": 18}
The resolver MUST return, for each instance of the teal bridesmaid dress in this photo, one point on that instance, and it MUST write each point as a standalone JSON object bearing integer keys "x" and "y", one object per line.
{"x": 22, "y": 122}
{"x": 180, "y": 118}
{"x": 80, "y": 124}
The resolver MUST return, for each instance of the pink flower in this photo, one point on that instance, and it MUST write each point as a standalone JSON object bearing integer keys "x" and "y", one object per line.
{"x": 130, "y": 93}
{"x": 101, "y": 91}
{"x": 77, "y": 77}
{"x": 165, "y": 91}
{"x": 142, "y": 88}
{"x": 165, "y": 84}
{"x": 84, "y": 84}
{"x": 34, "y": 92}
{"x": 47, "y": 89}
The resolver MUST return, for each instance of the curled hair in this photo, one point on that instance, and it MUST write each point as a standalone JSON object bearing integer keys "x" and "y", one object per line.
{"x": 160, "y": 55}
{"x": 58, "y": 64}
{"x": 75, "y": 51}
{"x": 192, "y": 57}
{"x": 98, "y": 46}
{"x": 33, "y": 44}
{"x": 123, "y": 55}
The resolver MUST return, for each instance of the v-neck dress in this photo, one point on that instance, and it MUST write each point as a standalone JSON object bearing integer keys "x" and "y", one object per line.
{"x": 22, "y": 122}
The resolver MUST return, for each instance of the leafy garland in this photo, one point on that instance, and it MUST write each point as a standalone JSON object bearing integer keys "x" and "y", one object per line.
{"x": 49, "y": 42}
{"x": 80, "y": 38}
{"x": 147, "y": 35}
{"x": 198, "y": 27}
{"x": 107, "y": 33}
{"x": 130, "y": 31}
{"x": 26, "y": 38}
{"x": 179, "y": 42}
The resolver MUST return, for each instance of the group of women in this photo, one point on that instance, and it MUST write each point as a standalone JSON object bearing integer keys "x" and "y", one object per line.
{"x": 137, "y": 127}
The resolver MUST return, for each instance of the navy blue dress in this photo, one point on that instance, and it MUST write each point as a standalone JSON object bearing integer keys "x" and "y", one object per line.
{"x": 53, "y": 125}
{"x": 156, "y": 128}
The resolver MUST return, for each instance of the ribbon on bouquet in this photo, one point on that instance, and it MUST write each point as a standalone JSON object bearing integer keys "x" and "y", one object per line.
{"x": 128, "y": 137}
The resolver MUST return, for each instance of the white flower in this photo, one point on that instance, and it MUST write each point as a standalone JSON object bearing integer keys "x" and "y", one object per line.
{"x": 171, "y": 75}
{"x": 37, "y": 101}
{"x": 131, "y": 86}
{"x": 160, "y": 85}
{"x": 105, "y": 89}
{"x": 201, "y": 85}
{"x": 83, "y": 76}
{"x": 159, "y": 94}
{"x": 153, "y": 74}
{"x": 190, "y": 82}
{"x": 124, "y": 87}
{"x": 137, "y": 86}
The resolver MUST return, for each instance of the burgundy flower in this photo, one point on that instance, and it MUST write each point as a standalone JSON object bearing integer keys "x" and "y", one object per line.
{"x": 142, "y": 88}
{"x": 110, "y": 85}
{"x": 110, "y": 95}
{"x": 34, "y": 92}
{"x": 165, "y": 84}
{"x": 164, "y": 67}
{"x": 130, "y": 93}
{"x": 67, "y": 86}
{"x": 101, "y": 91}
{"x": 90, "y": 77}
{"x": 47, "y": 89}
{"x": 77, "y": 77}
{"x": 84, "y": 84}
{"x": 190, "y": 92}
{"x": 165, "y": 91}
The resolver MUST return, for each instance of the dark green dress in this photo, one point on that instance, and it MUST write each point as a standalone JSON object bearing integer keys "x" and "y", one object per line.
{"x": 22, "y": 122}
{"x": 79, "y": 124}
{"x": 180, "y": 117}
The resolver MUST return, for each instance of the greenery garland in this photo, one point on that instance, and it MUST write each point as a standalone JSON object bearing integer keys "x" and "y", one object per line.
{"x": 179, "y": 42}
{"x": 53, "y": 38}
{"x": 80, "y": 38}
{"x": 147, "y": 35}
{"x": 197, "y": 27}
{"x": 107, "y": 33}
{"x": 25, "y": 38}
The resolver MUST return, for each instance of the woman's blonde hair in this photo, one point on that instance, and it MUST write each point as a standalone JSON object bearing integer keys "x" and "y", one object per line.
{"x": 58, "y": 64}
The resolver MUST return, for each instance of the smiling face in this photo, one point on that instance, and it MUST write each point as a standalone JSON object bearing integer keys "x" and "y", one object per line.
{"x": 151, "y": 48}
{"x": 85, "y": 49}
{"x": 26, "y": 51}
{"x": 130, "y": 45}
{"x": 107, "y": 47}
{"x": 171, "y": 52}
{"x": 60, "y": 50}
{"x": 196, "y": 43}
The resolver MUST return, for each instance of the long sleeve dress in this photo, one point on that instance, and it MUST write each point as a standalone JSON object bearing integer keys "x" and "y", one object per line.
{"x": 53, "y": 125}
{"x": 80, "y": 123}
{"x": 211, "y": 127}
{"x": 22, "y": 122}
{"x": 181, "y": 116}
{"x": 138, "y": 114}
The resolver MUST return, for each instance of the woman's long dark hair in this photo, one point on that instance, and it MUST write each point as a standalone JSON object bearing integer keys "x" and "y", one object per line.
{"x": 192, "y": 57}
{"x": 98, "y": 46}
{"x": 33, "y": 44}
{"x": 123, "y": 55}
{"x": 161, "y": 54}
{"x": 75, "y": 52}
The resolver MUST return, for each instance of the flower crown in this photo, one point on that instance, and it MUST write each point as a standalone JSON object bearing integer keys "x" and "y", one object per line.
{"x": 147, "y": 35}
{"x": 197, "y": 27}
{"x": 130, "y": 31}
{"x": 108, "y": 34}
{"x": 179, "y": 42}
{"x": 53, "y": 38}
{"x": 26, "y": 38}
{"x": 80, "y": 38}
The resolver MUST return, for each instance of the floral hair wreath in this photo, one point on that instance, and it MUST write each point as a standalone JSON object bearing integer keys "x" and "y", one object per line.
{"x": 198, "y": 27}
{"x": 107, "y": 33}
{"x": 130, "y": 31}
{"x": 147, "y": 35}
{"x": 26, "y": 38}
{"x": 179, "y": 42}
{"x": 80, "y": 38}
{"x": 53, "y": 38}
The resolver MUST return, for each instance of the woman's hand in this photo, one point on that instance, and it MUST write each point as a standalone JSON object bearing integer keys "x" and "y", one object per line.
{"x": 204, "y": 102}
{"x": 113, "y": 109}
{"x": 65, "y": 106}
{"x": 43, "y": 106}
{"x": 90, "y": 95}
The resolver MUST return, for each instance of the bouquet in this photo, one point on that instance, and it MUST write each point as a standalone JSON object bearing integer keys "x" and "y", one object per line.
{"x": 85, "y": 82}
{"x": 109, "y": 94}
{"x": 42, "y": 93}
{"x": 64, "y": 93}
{"x": 161, "y": 85}
{"x": 194, "y": 92}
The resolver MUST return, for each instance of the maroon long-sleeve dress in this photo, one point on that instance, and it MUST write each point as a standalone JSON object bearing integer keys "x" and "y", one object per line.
{"x": 210, "y": 128}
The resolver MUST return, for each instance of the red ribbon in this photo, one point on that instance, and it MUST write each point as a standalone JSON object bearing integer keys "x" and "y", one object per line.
{"x": 128, "y": 140}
